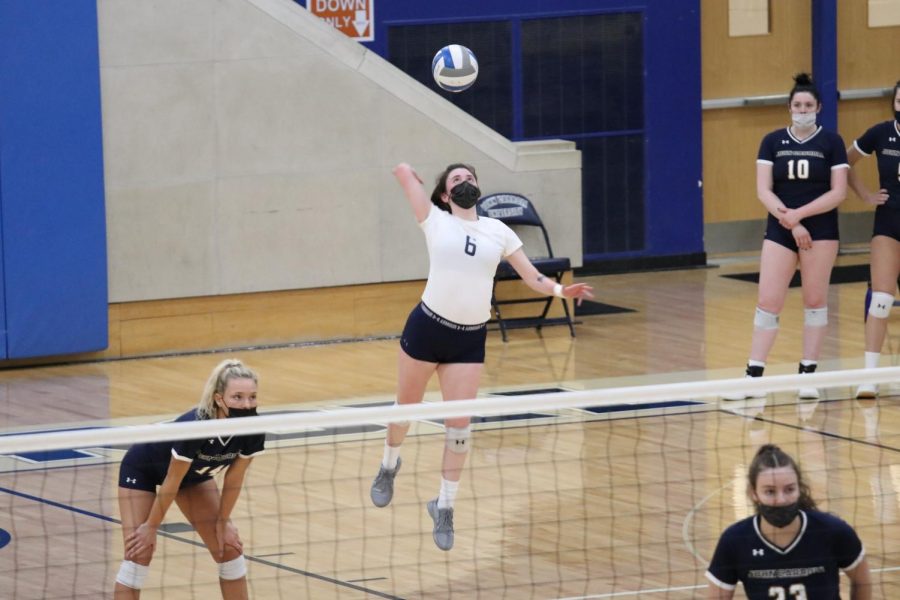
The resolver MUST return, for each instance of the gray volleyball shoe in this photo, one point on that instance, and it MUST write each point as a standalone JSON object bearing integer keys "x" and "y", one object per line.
{"x": 383, "y": 487}
{"x": 443, "y": 524}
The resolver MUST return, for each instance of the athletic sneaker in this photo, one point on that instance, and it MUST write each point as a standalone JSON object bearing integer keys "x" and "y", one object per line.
{"x": 807, "y": 393}
{"x": 867, "y": 390}
{"x": 751, "y": 372}
{"x": 443, "y": 524}
{"x": 749, "y": 407}
{"x": 806, "y": 409}
{"x": 383, "y": 487}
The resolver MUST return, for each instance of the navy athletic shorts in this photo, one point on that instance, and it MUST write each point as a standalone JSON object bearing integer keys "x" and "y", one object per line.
{"x": 887, "y": 222}
{"x": 139, "y": 475}
{"x": 431, "y": 338}
{"x": 820, "y": 227}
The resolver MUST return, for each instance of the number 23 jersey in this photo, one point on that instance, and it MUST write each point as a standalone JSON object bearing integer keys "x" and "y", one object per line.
{"x": 806, "y": 570}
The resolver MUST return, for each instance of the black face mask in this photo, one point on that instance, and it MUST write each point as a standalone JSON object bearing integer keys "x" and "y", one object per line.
{"x": 779, "y": 516}
{"x": 465, "y": 194}
{"x": 897, "y": 115}
{"x": 234, "y": 413}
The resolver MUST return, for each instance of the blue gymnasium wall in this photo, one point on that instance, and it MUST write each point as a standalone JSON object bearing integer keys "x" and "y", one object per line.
{"x": 642, "y": 204}
{"x": 53, "y": 286}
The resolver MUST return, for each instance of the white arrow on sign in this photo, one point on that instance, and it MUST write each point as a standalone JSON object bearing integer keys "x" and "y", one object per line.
{"x": 361, "y": 23}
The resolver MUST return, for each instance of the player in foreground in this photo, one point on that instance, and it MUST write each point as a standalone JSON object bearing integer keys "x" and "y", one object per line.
{"x": 184, "y": 472}
{"x": 788, "y": 550}
{"x": 445, "y": 333}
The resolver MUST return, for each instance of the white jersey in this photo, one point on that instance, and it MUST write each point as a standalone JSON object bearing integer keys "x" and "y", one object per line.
{"x": 464, "y": 256}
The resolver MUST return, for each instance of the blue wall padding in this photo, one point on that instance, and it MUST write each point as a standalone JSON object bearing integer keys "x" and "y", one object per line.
{"x": 51, "y": 179}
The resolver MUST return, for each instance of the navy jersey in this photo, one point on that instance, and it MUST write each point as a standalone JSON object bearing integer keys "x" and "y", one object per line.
{"x": 207, "y": 456}
{"x": 884, "y": 139}
{"x": 808, "y": 568}
{"x": 801, "y": 170}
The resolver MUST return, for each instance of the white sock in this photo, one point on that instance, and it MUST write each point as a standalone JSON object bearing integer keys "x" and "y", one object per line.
{"x": 391, "y": 456}
{"x": 871, "y": 360}
{"x": 808, "y": 363}
{"x": 448, "y": 493}
{"x": 870, "y": 417}
{"x": 756, "y": 363}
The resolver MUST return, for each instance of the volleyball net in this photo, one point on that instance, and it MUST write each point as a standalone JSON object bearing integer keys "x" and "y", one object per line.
{"x": 605, "y": 493}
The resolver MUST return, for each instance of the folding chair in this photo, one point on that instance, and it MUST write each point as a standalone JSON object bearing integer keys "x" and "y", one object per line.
{"x": 517, "y": 211}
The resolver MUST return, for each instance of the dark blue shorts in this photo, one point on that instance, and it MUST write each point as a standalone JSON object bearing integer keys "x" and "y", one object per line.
{"x": 429, "y": 337}
{"x": 138, "y": 472}
{"x": 820, "y": 227}
{"x": 137, "y": 475}
{"x": 887, "y": 222}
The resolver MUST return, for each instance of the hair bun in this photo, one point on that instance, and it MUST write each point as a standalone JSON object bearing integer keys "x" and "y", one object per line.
{"x": 803, "y": 79}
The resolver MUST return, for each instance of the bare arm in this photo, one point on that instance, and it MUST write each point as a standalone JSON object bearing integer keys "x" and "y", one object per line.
{"x": 714, "y": 592}
{"x": 543, "y": 284}
{"x": 764, "y": 185}
{"x": 226, "y": 532}
{"x": 231, "y": 486}
{"x": 790, "y": 218}
{"x": 167, "y": 491}
{"x": 860, "y": 581}
{"x": 414, "y": 189}
{"x": 856, "y": 182}
{"x": 142, "y": 540}
{"x": 830, "y": 199}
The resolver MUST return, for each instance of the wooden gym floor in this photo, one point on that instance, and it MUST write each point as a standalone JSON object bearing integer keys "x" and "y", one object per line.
{"x": 576, "y": 504}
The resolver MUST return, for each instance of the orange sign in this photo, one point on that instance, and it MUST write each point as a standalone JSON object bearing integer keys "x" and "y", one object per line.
{"x": 352, "y": 17}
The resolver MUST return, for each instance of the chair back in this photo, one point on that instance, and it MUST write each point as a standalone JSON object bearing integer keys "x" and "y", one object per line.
{"x": 513, "y": 209}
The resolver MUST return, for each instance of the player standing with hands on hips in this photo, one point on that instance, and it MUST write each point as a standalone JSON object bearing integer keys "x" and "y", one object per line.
{"x": 184, "y": 472}
{"x": 884, "y": 140}
{"x": 446, "y": 332}
{"x": 801, "y": 178}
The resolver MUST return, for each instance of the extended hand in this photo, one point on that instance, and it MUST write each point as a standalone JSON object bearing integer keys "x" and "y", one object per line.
{"x": 579, "y": 291}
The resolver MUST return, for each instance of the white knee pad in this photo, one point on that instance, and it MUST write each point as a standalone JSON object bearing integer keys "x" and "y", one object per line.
{"x": 233, "y": 569}
{"x": 765, "y": 320}
{"x": 132, "y": 575}
{"x": 815, "y": 317}
{"x": 881, "y": 304}
{"x": 458, "y": 439}
{"x": 400, "y": 423}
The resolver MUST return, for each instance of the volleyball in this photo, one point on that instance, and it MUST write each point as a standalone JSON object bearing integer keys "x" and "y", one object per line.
{"x": 454, "y": 68}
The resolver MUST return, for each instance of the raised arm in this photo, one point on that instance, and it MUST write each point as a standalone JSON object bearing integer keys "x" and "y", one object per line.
{"x": 543, "y": 284}
{"x": 414, "y": 189}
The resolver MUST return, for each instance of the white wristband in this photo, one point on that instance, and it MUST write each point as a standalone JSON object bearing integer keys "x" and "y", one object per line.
{"x": 558, "y": 291}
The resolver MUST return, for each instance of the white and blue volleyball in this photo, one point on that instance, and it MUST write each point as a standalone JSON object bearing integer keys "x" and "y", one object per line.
{"x": 454, "y": 68}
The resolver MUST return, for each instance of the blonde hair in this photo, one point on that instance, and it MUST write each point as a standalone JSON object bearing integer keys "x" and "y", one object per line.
{"x": 224, "y": 372}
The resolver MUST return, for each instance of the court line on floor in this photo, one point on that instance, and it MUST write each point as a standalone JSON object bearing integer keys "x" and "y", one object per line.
{"x": 255, "y": 559}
